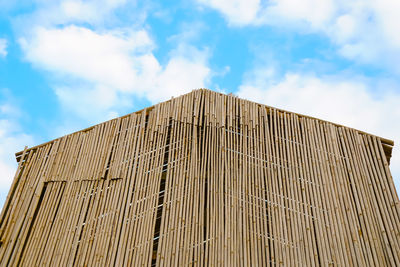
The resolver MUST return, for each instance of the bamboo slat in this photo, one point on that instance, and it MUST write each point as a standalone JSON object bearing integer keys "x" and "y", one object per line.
{"x": 204, "y": 179}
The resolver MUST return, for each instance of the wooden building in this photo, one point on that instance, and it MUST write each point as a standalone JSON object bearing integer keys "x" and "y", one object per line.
{"x": 204, "y": 179}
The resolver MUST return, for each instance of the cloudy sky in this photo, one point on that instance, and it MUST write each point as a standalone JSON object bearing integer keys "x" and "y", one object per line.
{"x": 67, "y": 64}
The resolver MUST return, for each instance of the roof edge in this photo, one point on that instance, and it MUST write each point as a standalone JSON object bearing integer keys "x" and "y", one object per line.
{"x": 387, "y": 143}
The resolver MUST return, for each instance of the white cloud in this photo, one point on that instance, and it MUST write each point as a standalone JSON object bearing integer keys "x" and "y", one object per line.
{"x": 97, "y": 57}
{"x": 101, "y": 70}
{"x": 315, "y": 13}
{"x": 3, "y": 47}
{"x": 186, "y": 69}
{"x": 12, "y": 140}
{"x": 63, "y": 12}
{"x": 256, "y": 12}
{"x": 91, "y": 10}
{"x": 336, "y": 99}
{"x": 237, "y": 12}
{"x": 363, "y": 30}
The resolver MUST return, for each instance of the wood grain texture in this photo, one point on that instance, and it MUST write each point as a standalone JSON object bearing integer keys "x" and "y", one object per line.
{"x": 204, "y": 179}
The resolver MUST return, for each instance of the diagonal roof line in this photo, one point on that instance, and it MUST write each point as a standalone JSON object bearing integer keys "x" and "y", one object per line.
{"x": 387, "y": 143}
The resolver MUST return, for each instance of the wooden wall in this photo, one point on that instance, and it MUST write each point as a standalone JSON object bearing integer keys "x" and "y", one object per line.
{"x": 204, "y": 179}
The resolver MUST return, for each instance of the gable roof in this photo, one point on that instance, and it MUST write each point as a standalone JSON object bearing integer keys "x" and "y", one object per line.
{"x": 218, "y": 105}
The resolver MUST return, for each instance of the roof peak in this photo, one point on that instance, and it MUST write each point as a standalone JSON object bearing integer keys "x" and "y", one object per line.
{"x": 219, "y": 102}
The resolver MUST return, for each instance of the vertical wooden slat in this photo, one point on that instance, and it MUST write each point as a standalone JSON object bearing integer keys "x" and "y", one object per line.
{"x": 204, "y": 179}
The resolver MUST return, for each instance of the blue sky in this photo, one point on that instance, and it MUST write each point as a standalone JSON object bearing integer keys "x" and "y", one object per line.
{"x": 67, "y": 64}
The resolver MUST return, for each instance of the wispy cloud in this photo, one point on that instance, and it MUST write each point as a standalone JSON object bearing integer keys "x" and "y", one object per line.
{"x": 98, "y": 67}
{"x": 364, "y": 31}
{"x": 64, "y": 12}
{"x": 12, "y": 139}
{"x": 100, "y": 70}
{"x": 3, "y": 47}
{"x": 237, "y": 12}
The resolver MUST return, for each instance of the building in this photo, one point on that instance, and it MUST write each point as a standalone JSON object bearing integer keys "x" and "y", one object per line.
{"x": 204, "y": 179}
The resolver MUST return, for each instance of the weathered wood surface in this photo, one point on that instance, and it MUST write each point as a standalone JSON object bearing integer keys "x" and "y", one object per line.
{"x": 204, "y": 178}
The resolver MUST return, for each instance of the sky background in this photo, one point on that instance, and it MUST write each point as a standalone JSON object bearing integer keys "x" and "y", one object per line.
{"x": 69, "y": 64}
